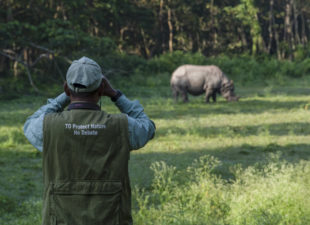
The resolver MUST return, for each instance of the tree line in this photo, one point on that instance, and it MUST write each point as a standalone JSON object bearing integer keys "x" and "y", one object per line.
{"x": 31, "y": 30}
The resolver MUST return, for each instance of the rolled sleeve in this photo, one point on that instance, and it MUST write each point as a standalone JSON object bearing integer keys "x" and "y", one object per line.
{"x": 140, "y": 128}
{"x": 33, "y": 127}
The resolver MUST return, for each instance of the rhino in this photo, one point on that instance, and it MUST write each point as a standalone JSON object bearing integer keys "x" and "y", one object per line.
{"x": 196, "y": 80}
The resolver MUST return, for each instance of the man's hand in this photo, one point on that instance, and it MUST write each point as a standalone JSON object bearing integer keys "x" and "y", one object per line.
{"x": 107, "y": 88}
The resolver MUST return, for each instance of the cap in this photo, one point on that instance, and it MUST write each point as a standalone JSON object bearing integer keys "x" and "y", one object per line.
{"x": 84, "y": 75}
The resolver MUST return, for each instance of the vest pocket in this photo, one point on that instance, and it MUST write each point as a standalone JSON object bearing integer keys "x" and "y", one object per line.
{"x": 87, "y": 202}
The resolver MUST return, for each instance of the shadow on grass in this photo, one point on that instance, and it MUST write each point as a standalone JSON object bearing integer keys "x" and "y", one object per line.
{"x": 196, "y": 109}
{"x": 245, "y": 91}
{"x": 279, "y": 129}
{"x": 13, "y": 119}
{"x": 268, "y": 90}
{"x": 21, "y": 177}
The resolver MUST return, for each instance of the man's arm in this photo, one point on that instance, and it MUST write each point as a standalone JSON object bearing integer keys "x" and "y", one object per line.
{"x": 141, "y": 129}
{"x": 33, "y": 127}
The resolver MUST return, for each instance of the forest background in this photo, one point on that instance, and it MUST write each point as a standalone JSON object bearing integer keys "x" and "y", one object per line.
{"x": 248, "y": 39}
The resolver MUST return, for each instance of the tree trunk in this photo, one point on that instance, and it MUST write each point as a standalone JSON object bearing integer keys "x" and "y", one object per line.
{"x": 260, "y": 40}
{"x": 304, "y": 39}
{"x": 170, "y": 31}
{"x": 25, "y": 56}
{"x": 295, "y": 11}
{"x": 288, "y": 28}
{"x": 15, "y": 69}
{"x": 9, "y": 15}
{"x": 161, "y": 19}
{"x": 60, "y": 12}
{"x": 121, "y": 38}
{"x": 51, "y": 3}
{"x": 146, "y": 50}
{"x": 213, "y": 24}
{"x": 243, "y": 37}
{"x": 270, "y": 27}
{"x": 94, "y": 27}
{"x": 276, "y": 37}
{"x": 2, "y": 65}
{"x": 195, "y": 41}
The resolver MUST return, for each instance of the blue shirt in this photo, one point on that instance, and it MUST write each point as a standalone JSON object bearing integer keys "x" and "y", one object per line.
{"x": 140, "y": 128}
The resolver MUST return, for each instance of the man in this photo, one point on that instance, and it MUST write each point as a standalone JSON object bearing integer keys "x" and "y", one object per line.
{"x": 86, "y": 150}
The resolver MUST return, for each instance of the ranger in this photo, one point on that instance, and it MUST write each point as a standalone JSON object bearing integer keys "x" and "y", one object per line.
{"x": 86, "y": 150}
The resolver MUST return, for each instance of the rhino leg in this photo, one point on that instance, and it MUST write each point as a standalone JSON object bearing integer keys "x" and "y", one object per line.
{"x": 176, "y": 91}
{"x": 209, "y": 93}
{"x": 214, "y": 96}
{"x": 175, "y": 94}
{"x": 184, "y": 96}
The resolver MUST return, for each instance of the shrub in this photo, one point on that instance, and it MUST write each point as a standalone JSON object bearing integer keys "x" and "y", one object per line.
{"x": 170, "y": 61}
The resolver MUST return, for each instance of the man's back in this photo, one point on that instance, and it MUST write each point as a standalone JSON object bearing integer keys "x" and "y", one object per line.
{"x": 86, "y": 151}
{"x": 85, "y": 168}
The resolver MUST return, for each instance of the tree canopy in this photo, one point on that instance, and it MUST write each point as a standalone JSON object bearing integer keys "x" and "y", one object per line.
{"x": 149, "y": 28}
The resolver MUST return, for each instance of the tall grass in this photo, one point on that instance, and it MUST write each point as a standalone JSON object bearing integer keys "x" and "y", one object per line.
{"x": 274, "y": 193}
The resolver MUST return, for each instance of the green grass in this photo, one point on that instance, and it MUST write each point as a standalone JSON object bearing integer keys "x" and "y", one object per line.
{"x": 246, "y": 162}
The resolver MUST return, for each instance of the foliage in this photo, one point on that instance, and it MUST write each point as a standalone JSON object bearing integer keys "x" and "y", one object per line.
{"x": 246, "y": 13}
{"x": 170, "y": 61}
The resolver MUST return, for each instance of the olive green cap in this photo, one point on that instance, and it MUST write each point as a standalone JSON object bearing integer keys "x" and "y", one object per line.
{"x": 84, "y": 75}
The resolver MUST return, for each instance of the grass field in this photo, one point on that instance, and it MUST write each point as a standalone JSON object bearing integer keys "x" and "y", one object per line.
{"x": 246, "y": 162}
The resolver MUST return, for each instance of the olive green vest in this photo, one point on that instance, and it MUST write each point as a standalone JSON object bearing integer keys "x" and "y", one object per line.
{"x": 85, "y": 169}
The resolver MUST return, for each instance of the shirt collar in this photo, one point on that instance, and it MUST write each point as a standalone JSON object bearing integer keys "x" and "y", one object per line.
{"x": 83, "y": 105}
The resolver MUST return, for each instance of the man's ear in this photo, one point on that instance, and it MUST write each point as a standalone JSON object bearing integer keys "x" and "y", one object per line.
{"x": 66, "y": 89}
